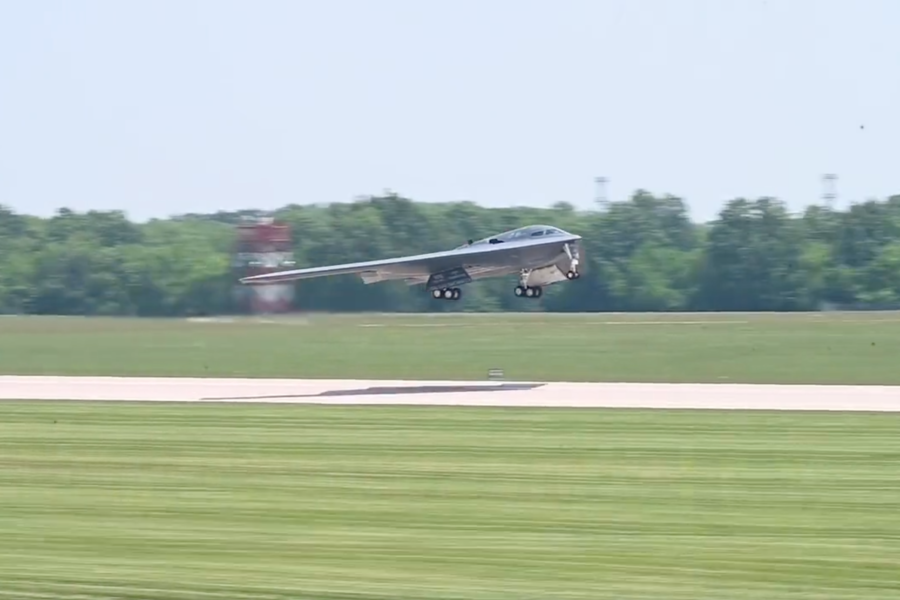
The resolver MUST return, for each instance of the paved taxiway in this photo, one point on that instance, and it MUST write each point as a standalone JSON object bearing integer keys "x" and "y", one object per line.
{"x": 476, "y": 393}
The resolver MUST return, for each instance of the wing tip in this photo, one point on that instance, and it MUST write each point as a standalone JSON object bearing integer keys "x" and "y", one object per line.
{"x": 259, "y": 279}
{"x": 274, "y": 277}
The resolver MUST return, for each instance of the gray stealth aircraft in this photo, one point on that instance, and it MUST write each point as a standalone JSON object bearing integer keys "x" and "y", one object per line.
{"x": 540, "y": 254}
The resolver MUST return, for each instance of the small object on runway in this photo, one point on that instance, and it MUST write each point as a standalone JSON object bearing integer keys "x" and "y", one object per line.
{"x": 495, "y": 374}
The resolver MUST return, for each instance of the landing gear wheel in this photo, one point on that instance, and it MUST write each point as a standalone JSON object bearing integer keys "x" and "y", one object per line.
{"x": 573, "y": 275}
{"x": 447, "y": 294}
{"x": 529, "y": 292}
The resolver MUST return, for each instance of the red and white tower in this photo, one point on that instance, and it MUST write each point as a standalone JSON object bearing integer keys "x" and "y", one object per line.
{"x": 263, "y": 246}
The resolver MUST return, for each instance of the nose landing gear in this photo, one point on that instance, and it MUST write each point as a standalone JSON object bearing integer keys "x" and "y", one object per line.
{"x": 573, "y": 261}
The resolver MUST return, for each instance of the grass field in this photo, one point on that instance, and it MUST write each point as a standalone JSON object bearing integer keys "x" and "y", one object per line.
{"x": 855, "y": 348}
{"x": 178, "y": 502}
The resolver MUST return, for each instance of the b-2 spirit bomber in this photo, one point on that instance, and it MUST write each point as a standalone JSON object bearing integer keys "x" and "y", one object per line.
{"x": 542, "y": 255}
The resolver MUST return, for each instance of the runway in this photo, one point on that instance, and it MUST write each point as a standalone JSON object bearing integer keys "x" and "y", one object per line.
{"x": 456, "y": 393}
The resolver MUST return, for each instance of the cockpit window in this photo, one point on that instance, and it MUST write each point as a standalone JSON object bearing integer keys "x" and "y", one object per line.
{"x": 523, "y": 233}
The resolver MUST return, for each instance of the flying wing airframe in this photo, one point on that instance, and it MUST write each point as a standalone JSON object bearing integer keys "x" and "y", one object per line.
{"x": 540, "y": 254}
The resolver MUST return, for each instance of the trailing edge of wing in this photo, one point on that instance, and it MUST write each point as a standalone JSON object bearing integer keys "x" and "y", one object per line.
{"x": 418, "y": 264}
{"x": 370, "y": 267}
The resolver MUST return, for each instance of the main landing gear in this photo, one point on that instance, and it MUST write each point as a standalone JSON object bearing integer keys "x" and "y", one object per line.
{"x": 528, "y": 292}
{"x": 447, "y": 294}
{"x": 573, "y": 275}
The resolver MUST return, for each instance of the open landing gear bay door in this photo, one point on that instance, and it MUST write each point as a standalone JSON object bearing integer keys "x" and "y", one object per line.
{"x": 448, "y": 279}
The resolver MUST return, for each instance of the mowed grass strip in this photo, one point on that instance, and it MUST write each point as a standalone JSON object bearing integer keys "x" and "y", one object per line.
{"x": 753, "y": 348}
{"x": 178, "y": 502}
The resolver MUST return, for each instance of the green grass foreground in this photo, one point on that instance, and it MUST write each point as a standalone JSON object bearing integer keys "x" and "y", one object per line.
{"x": 179, "y": 502}
{"x": 852, "y": 348}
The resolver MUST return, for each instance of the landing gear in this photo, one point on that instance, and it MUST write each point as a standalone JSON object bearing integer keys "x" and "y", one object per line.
{"x": 525, "y": 290}
{"x": 447, "y": 294}
{"x": 528, "y": 292}
{"x": 573, "y": 261}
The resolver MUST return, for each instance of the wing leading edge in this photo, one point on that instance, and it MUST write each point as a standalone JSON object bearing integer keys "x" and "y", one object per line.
{"x": 416, "y": 268}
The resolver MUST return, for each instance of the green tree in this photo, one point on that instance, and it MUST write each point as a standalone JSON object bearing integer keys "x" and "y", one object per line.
{"x": 642, "y": 254}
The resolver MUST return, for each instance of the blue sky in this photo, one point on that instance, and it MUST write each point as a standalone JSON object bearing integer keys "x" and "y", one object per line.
{"x": 173, "y": 106}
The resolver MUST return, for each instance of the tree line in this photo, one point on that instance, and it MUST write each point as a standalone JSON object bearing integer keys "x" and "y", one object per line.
{"x": 642, "y": 254}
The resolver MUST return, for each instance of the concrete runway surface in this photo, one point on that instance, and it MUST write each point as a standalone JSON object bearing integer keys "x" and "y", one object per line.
{"x": 455, "y": 393}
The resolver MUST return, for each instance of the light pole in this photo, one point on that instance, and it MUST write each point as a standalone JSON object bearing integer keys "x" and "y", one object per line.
{"x": 600, "y": 188}
{"x": 829, "y": 193}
